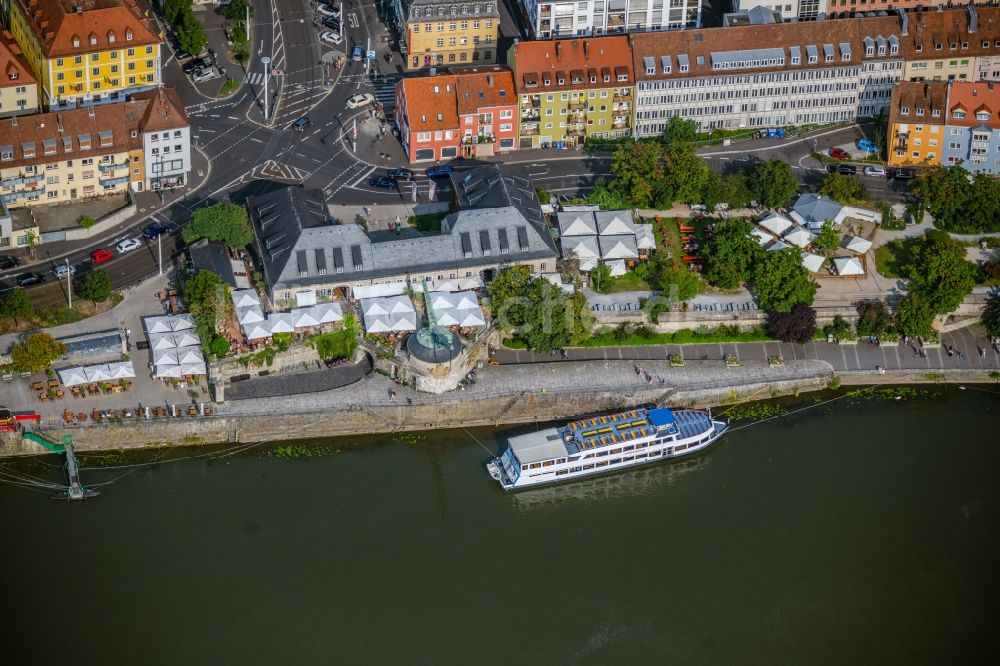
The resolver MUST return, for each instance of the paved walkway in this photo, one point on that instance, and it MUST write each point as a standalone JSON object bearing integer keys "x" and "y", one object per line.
{"x": 842, "y": 357}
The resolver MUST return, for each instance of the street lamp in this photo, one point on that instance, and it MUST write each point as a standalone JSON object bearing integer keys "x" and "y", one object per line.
{"x": 267, "y": 74}
{"x": 69, "y": 284}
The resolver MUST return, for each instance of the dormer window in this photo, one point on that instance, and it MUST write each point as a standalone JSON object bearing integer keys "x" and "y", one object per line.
{"x": 920, "y": 110}
{"x": 607, "y": 78}
{"x": 953, "y": 45}
{"x": 965, "y": 45}
{"x": 593, "y": 77}
{"x": 894, "y": 49}
{"x": 561, "y": 80}
{"x": 984, "y": 116}
{"x": 13, "y": 76}
{"x": 904, "y": 110}
{"x": 111, "y": 37}
{"x": 93, "y": 39}
{"x": 881, "y": 49}
{"x": 76, "y": 41}
{"x": 938, "y": 46}
{"x": 986, "y": 43}
{"x": 547, "y": 81}
{"x": 128, "y": 35}
{"x": 958, "y": 114}
{"x": 920, "y": 48}
{"x": 936, "y": 113}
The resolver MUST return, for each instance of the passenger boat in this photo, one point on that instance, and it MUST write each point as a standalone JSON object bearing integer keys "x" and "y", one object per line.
{"x": 603, "y": 444}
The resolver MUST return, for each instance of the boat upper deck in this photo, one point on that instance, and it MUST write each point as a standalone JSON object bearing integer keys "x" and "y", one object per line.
{"x": 608, "y": 429}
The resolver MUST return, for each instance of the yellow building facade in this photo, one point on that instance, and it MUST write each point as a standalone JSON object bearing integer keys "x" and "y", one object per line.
{"x": 18, "y": 87}
{"x": 444, "y": 33}
{"x": 86, "y": 52}
{"x": 917, "y": 132}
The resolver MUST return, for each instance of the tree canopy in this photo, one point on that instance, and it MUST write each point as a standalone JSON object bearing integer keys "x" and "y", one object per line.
{"x": 95, "y": 285}
{"x": 828, "y": 237}
{"x": 796, "y": 325}
{"x": 679, "y": 129}
{"x": 224, "y": 222}
{"x": 600, "y": 279}
{"x": 938, "y": 269}
{"x": 842, "y": 188}
{"x": 36, "y": 353}
{"x": 16, "y": 305}
{"x": 772, "y": 183}
{"x": 915, "y": 315}
{"x": 730, "y": 252}
{"x": 726, "y": 188}
{"x": 991, "y": 316}
{"x": 652, "y": 174}
{"x": 958, "y": 201}
{"x": 537, "y": 311}
{"x": 874, "y": 318}
{"x": 236, "y": 10}
{"x": 781, "y": 281}
{"x": 206, "y": 297}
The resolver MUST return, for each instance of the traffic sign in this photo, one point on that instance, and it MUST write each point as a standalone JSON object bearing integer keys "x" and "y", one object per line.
{"x": 371, "y": 55}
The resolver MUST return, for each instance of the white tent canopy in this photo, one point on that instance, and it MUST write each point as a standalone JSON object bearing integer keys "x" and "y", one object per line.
{"x": 280, "y": 322}
{"x": 257, "y": 331}
{"x": 72, "y": 376}
{"x": 858, "y": 245}
{"x": 617, "y": 267}
{"x": 379, "y": 290}
{"x": 97, "y": 373}
{"x": 244, "y": 298}
{"x": 813, "y": 262}
{"x": 799, "y": 237}
{"x": 776, "y": 224}
{"x": 249, "y": 315}
{"x": 763, "y": 238}
{"x": 169, "y": 323}
{"x": 846, "y": 266}
{"x": 389, "y": 313}
{"x": 121, "y": 370}
{"x": 778, "y": 245}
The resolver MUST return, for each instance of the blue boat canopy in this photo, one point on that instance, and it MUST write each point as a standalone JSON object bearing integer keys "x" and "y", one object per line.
{"x": 661, "y": 416}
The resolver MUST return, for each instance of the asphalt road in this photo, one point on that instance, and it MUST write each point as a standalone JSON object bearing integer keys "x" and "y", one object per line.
{"x": 247, "y": 153}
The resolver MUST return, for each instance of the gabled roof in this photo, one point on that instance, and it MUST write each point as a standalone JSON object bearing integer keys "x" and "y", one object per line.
{"x": 799, "y": 237}
{"x": 974, "y": 98}
{"x": 164, "y": 111}
{"x": 431, "y": 102}
{"x": 581, "y": 63}
{"x": 813, "y": 262}
{"x": 920, "y": 100}
{"x": 14, "y": 69}
{"x": 497, "y": 186}
{"x": 614, "y": 222}
{"x": 576, "y": 224}
{"x": 484, "y": 86}
{"x": 848, "y": 266}
{"x": 72, "y": 27}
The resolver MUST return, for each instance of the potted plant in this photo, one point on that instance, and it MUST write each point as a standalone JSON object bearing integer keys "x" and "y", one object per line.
{"x": 775, "y": 360}
{"x": 732, "y": 361}
{"x": 676, "y": 361}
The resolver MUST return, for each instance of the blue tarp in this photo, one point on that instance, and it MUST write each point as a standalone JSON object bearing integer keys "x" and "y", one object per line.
{"x": 661, "y": 416}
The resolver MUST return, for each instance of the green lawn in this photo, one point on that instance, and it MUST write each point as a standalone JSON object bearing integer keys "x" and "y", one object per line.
{"x": 429, "y": 223}
{"x": 340, "y": 344}
{"x": 628, "y": 282}
{"x": 891, "y": 258}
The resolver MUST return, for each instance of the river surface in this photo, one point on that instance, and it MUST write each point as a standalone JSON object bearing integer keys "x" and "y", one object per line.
{"x": 856, "y": 532}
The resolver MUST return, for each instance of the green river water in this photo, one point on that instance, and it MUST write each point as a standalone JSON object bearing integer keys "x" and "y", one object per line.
{"x": 857, "y": 532}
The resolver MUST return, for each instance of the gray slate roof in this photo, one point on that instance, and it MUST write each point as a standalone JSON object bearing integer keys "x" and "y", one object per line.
{"x": 214, "y": 257}
{"x": 497, "y": 186}
{"x": 302, "y": 247}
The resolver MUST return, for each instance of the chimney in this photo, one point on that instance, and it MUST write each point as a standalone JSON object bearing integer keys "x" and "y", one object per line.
{"x": 586, "y": 49}
{"x": 59, "y": 122}
{"x": 489, "y": 80}
{"x": 90, "y": 111}
{"x": 558, "y": 50}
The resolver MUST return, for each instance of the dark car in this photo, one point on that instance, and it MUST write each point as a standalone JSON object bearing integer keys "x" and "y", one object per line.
{"x": 182, "y": 56}
{"x": 7, "y": 261}
{"x": 903, "y": 174}
{"x": 439, "y": 171}
{"x": 155, "y": 229}
{"x": 383, "y": 181}
{"x": 332, "y": 23}
{"x": 301, "y": 124}
{"x": 198, "y": 63}
{"x": 26, "y": 279}
{"x": 401, "y": 174}
{"x": 849, "y": 169}
{"x": 832, "y": 168}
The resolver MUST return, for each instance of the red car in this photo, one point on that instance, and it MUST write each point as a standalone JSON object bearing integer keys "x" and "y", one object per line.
{"x": 839, "y": 154}
{"x": 101, "y": 255}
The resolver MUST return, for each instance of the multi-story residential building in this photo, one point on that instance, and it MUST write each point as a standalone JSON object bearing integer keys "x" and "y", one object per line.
{"x": 811, "y": 10}
{"x": 953, "y": 45}
{"x": 166, "y": 140}
{"x": 767, "y": 75}
{"x": 577, "y": 18}
{"x": 947, "y": 123}
{"x": 972, "y": 124}
{"x": 86, "y": 51}
{"x": 472, "y": 111}
{"x": 18, "y": 87}
{"x": 435, "y": 33}
{"x": 74, "y": 153}
{"x": 916, "y": 130}
{"x": 570, "y": 89}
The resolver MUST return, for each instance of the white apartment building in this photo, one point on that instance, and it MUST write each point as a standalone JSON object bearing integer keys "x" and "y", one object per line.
{"x": 814, "y": 72}
{"x": 550, "y": 18}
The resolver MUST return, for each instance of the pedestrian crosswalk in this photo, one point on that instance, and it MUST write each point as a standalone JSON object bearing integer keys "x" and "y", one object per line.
{"x": 255, "y": 78}
{"x": 385, "y": 92}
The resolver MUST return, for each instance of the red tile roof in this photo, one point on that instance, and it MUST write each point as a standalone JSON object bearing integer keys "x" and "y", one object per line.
{"x": 581, "y": 64}
{"x": 978, "y": 97}
{"x": 430, "y": 102}
{"x": 483, "y": 86}
{"x": 164, "y": 111}
{"x": 83, "y": 130}
{"x": 57, "y": 25}
{"x": 13, "y": 67}
{"x": 928, "y": 96}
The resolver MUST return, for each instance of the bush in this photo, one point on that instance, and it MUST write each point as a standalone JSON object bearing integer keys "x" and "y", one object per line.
{"x": 600, "y": 279}
{"x": 36, "y": 353}
{"x": 96, "y": 286}
{"x": 332, "y": 346}
{"x": 87, "y": 221}
{"x": 219, "y": 346}
{"x": 797, "y": 325}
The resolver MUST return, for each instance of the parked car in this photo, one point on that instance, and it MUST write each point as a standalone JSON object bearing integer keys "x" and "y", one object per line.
{"x": 874, "y": 171}
{"x": 155, "y": 229}
{"x": 301, "y": 124}
{"x": 401, "y": 174}
{"x": 26, "y": 279}
{"x": 207, "y": 74}
{"x": 357, "y": 101}
{"x": 848, "y": 169}
{"x": 328, "y": 10}
{"x": 62, "y": 271}
{"x": 357, "y": 53}
{"x": 866, "y": 145}
{"x": 332, "y": 23}
{"x": 382, "y": 181}
{"x": 197, "y": 63}
{"x": 128, "y": 245}
{"x": 330, "y": 37}
{"x": 839, "y": 154}
{"x": 182, "y": 56}
{"x": 100, "y": 255}
{"x": 439, "y": 171}
{"x": 903, "y": 174}
{"x": 7, "y": 261}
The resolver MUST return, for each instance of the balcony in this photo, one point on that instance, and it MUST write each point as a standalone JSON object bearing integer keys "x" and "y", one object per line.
{"x": 479, "y": 138}
{"x": 529, "y": 129}
{"x": 113, "y": 182}
{"x": 105, "y": 168}
{"x": 575, "y": 132}
{"x": 621, "y": 107}
{"x": 622, "y": 96}
{"x": 530, "y": 101}
{"x": 577, "y": 104}
{"x": 530, "y": 114}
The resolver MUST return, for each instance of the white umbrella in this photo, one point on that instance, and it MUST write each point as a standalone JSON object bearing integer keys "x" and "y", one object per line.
{"x": 280, "y": 323}
{"x": 466, "y": 301}
{"x": 858, "y": 245}
{"x": 405, "y": 322}
{"x": 763, "y": 238}
{"x": 250, "y": 315}
{"x": 192, "y": 369}
{"x": 328, "y": 312}
{"x": 245, "y": 298}
{"x": 304, "y": 317}
{"x": 617, "y": 268}
{"x": 472, "y": 318}
{"x": 189, "y": 355}
{"x": 799, "y": 237}
{"x": 73, "y": 376}
{"x": 812, "y": 262}
{"x": 848, "y": 266}
{"x": 160, "y": 341}
{"x": 775, "y": 223}
{"x": 778, "y": 245}
{"x": 168, "y": 371}
{"x": 97, "y": 373}
{"x": 377, "y": 325}
{"x": 258, "y": 331}
{"x": 447, "y": 317}
{"x": 121, "y": 370}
